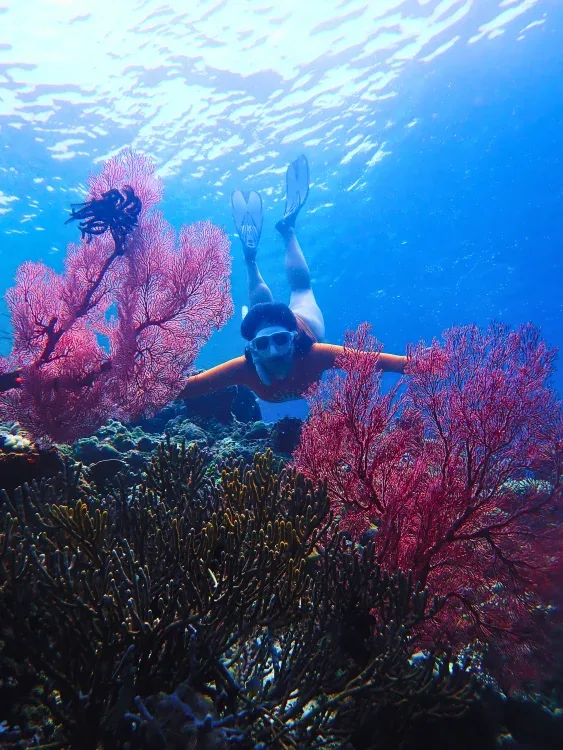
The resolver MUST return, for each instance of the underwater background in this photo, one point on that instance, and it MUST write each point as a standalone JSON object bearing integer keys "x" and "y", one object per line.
{"x": 432, "y": 129}
{"x": 201, "y": 574}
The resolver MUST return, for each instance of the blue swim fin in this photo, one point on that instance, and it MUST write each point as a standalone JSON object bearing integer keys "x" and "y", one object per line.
{"x": 296, "y": 191}
{"x": 247, "y": 214}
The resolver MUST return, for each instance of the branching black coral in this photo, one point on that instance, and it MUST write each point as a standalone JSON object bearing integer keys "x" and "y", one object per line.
{"x": 200, "y": 611}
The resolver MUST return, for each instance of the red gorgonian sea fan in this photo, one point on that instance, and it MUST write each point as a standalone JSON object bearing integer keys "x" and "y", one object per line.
{"x": 455, "y": 473}
{"x": 168, "y": 296}
{"x": 170, "y": 302}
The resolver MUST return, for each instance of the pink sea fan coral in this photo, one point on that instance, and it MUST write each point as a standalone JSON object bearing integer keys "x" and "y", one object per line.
{"x": 456, "y": 475}
{"x": 168, "y": 302}
{"x": 171, "y": 300}
{"x": 92, "y": 278}
{"x": 68, "y": 397}
{"x": 35, "y": 304}
{"x": 129, "y": 167}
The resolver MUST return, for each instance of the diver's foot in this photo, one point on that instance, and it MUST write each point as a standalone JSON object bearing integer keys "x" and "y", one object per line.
{"x": 286, "y": 227}
{"x": 249, "y": 253}
{"x": 296, "y": 192}
{"x": 247, "y": 214}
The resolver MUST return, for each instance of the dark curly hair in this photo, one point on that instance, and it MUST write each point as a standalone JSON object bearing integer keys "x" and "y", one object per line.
{"x": 267, "y": 314}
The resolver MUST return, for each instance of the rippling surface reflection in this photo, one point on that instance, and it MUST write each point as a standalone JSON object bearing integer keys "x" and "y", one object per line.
{"x": 226, "y": 79}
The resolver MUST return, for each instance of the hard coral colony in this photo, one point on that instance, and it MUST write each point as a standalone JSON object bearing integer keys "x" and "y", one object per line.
{"x": 195, "y": 612}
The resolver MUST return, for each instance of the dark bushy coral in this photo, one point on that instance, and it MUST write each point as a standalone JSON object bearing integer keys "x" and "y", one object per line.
{"x": 19, "y": 466}
{"x": 285, "y": 435}
{"x": 196, "y": 606}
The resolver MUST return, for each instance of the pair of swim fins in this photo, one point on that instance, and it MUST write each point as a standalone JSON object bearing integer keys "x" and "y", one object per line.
{"x": 247, "y": 205}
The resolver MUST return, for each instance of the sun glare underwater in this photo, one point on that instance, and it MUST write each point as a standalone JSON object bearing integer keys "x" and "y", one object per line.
{"x": 281, "y": 431}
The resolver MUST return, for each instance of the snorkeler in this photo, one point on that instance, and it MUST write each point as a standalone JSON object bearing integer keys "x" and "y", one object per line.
{"x": 284, "y": 355}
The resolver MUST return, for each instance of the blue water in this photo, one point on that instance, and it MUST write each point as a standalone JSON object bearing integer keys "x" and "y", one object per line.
{"x": 437, "y": 184}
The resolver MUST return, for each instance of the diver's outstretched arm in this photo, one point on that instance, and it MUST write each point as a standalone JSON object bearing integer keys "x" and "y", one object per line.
{"x": 326, "y": 356}
{"x": 233, "y": 372}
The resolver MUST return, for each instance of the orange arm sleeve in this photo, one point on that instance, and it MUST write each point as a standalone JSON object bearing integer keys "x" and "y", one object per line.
{"x": 326, "y": 355}
{"x": 233, "y": 372}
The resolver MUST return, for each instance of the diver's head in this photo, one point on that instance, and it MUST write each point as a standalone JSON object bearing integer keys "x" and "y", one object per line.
{"x": 271, "y": 329}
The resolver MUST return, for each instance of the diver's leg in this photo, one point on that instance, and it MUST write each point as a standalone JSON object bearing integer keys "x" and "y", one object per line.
{"x": 248, "y": 217}
{"x": 296, "y": 267}
{"x": 302, "y": 300}
{"x": 258, "y": 290}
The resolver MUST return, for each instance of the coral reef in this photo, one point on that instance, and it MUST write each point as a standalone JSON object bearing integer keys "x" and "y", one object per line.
{"x": 21, "y": 461}
{"x": 208, "y": 609}
{"x": 174, "y": 584}
{"x": 120, "y": 448}
{"x": 236, "y": 403}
